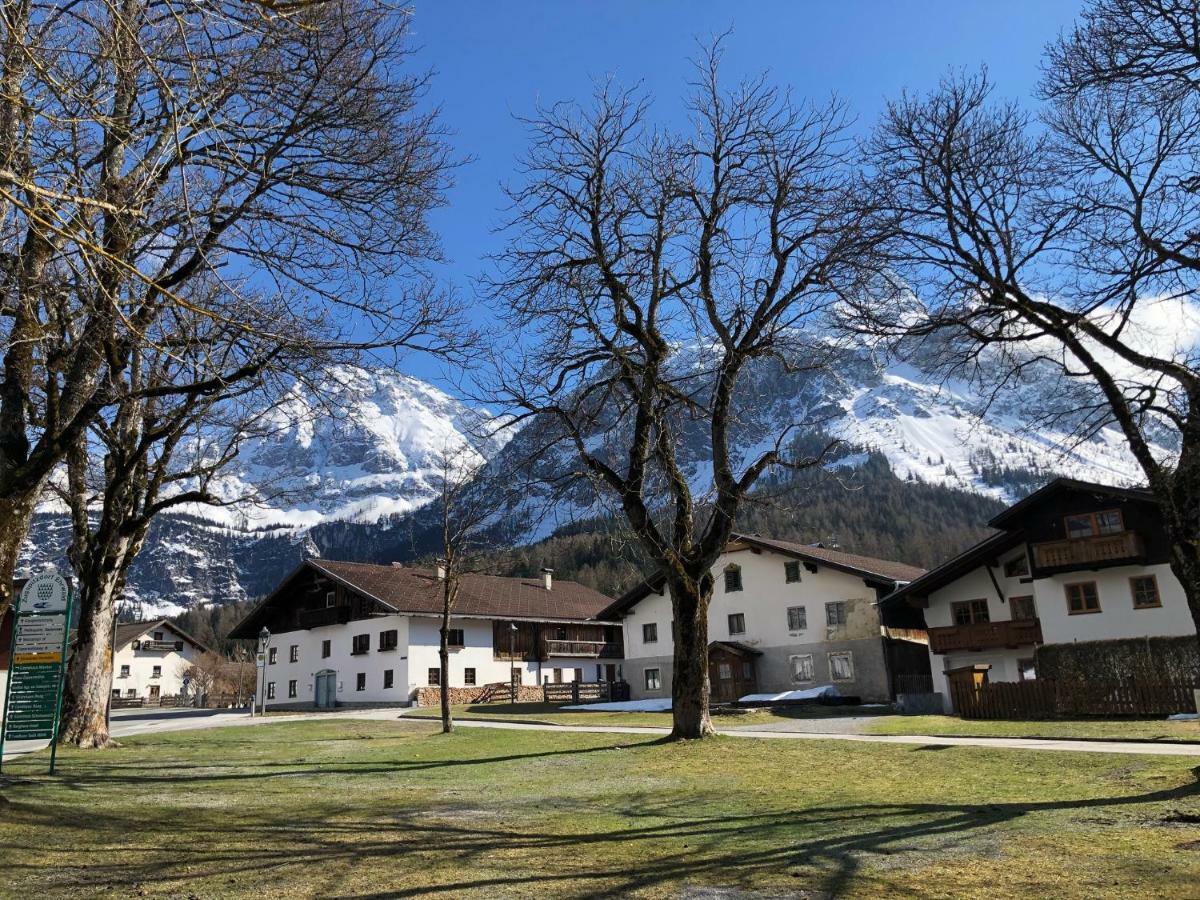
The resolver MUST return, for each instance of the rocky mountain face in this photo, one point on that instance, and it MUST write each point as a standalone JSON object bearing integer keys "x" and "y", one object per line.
{"x": 349, "y": 467}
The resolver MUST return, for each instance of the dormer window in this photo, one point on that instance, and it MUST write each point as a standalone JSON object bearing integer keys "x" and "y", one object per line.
{"x": 1084, "y": 525}
{"x": 733, "y": 579}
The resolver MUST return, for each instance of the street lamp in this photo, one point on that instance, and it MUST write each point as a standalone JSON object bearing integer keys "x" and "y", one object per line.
{"x": 264, "y": 640}
{"x": 512, "y": 658}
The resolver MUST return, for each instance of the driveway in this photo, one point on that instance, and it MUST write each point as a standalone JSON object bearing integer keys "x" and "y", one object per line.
{"x": 126, "y": 723}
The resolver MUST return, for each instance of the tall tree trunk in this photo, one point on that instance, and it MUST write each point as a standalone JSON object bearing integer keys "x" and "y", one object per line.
{"x": 444, "y": 657}
{"x": 16, "y": 513}
{"x": 689, "y": 679}
{"x": 89, "y": 673}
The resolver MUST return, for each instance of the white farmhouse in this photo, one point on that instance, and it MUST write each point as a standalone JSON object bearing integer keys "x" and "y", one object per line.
{"x": 150, "y": 659}
{"x": 1073, "y": 562}
{"x": 783, "y": 617}
{"x": 343, "y": 633}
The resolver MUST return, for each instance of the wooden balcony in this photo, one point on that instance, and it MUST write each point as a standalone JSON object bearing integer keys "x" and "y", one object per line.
{"x": 1089, "y": 552}
{"x": 985, "y": 635}
{"x": 326, "y": 615}
{"x": 161, "y": 646}
{"x": 595, "y": 649}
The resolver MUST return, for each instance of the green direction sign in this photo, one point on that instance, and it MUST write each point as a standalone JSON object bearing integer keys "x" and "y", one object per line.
{"x": 33, "y": 700}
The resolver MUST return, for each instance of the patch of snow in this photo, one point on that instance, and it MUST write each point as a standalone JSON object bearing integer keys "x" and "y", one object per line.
{"x": 661, "y": 704}
{"x": 825, "y": 690}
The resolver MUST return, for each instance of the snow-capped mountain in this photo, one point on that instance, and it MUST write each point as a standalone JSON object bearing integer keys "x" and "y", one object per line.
{"x": 347, "y": 467}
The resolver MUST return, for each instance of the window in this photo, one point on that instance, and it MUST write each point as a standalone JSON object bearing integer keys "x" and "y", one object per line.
{"x": 737, "y": 623}
{"x": 797, "y": 618}
{"x": 747, "y": 670}
{"x": 1016, "y": 567}
{"x": 124, "y": 671}
{"x": 558, "y": 676}
{"x": 389, "y": 640}
{"x": 1025, "y": 670}
{"x": 791, "y": 571}
{"x": 579, "y": 674}
{"x": 1082, "y": 598}
{"x": 802, "y": 667}
{"x": 156, "y": 672}
{"x": 967, "y": 612}
{"x": 272, "y": 655}
{"x": 116, "y": 693}
{"x": 1088, "y": 524}
{"x": 469, "y": 676}
{"x": 653, "y": 683}
{"x": 650, "y": 633}
{"x": 158, "y": 635}
{"x": 434, "y": 677}
{"x": 292, "y": 688}
{"x": 326, "y": 649}
{"x": 389, "y": 678}
{"x": 1021, "y": 608}
{"x": 835, "y": 613}
{"x": 270, "y": 690}
{"x": 560, "y": 634}
{"x": 361, "y": 644}
{"x": 725, "y": 671}
{"x": 454, "y": 637}
{"x": 360, "y": 681}
{"x": 330, "y": 599}
{"x": 1145, "y": 592}
{"x": 294, "y": 653}
{"x": 130, "y": 692}
{"x": 841, "y": 666}
{"x": 733, "y": 579}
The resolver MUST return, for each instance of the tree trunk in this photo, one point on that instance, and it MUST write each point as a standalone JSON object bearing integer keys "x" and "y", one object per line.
{"x": 89, "y": 672}
{"x": 16, "y": 513}
{"x": 689, "y": 678}
{"x": 444, "y": 658}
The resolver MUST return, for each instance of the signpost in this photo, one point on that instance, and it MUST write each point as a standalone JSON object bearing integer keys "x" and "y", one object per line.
{"x": 33, "y": 701}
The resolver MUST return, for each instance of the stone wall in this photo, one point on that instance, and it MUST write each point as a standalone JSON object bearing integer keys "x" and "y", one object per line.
{"x": 484, "y": 693}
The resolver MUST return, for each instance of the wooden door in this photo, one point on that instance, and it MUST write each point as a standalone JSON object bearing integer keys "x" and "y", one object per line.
{"x": 325, "y": 690}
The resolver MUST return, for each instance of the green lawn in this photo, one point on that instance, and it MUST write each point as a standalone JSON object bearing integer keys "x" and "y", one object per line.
{"x": 1111, "y": 729}
{"x": 391, "y": 809}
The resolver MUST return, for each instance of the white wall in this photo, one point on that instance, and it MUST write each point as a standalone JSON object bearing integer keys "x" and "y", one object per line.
{"x": 141, "y": 667}
{"x": 415, "y": 655}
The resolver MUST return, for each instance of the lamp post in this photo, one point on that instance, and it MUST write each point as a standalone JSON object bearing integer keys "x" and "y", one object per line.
{"x": 512, "y": 658}
{"x": 264, "y": 641}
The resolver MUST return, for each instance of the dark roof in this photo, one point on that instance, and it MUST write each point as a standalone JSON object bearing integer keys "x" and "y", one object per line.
{"x": 737, "y": 647}
{"x": 411, "y": 590}
{"x": 959, "y": 565}
{"x": 1008, "y": 516}
{"x": 1012, "y": 533}
{"x": 414, "y": 590}
{"x": 883, "y": 572}
{"x": 128, "y": 631}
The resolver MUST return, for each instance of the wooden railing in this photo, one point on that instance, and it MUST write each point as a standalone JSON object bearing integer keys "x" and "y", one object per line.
{"x": 160, "y": 645}
{"x": 598, "y": 649}
{"x": 985, "y": 635}
{"x": 1088, "y": 551}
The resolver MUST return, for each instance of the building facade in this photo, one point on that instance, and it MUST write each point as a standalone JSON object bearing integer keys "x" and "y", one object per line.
{"x": 150, "y": 660}
{"x": 1073, "y": 562}
{"x": 783, "y": 617}
{"x": 344, "y": 633}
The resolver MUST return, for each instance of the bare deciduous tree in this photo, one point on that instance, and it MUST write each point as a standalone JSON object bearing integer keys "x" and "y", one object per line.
{"x": 144, "y": 145}
{"x": 645, "y": 272}
{"x": 1057, "y": 240}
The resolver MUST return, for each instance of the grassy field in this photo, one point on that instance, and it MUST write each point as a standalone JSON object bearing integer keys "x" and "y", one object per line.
{"x": 1110, "y": 729}
{"x": 391, "y": 809}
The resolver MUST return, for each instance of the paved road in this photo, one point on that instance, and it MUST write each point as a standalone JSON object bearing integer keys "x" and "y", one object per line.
{"x": 131, "y": 722}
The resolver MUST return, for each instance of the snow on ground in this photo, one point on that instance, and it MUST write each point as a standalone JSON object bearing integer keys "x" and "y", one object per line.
{"x": 661, "y": 704}
{"x": 825, "y": 690}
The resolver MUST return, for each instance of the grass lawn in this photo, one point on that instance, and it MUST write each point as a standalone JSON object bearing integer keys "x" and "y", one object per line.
{"x": 382, "y": 809}
{"x": 1110, "y": 729}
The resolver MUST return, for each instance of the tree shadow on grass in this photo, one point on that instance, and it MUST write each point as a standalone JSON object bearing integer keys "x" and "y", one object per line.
{"x": 672, "y": 844}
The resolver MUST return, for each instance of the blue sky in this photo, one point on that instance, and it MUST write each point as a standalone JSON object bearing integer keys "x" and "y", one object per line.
{"x": 496, "y": 60}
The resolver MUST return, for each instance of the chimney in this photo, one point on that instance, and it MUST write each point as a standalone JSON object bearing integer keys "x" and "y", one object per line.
{"x": 548, "y": 578}
{"x": 441, "y": 570}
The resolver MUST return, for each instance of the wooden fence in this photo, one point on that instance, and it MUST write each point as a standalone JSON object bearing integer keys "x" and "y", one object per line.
{"x": 585, "y": 691}
{"x": 1045, "y": 698}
